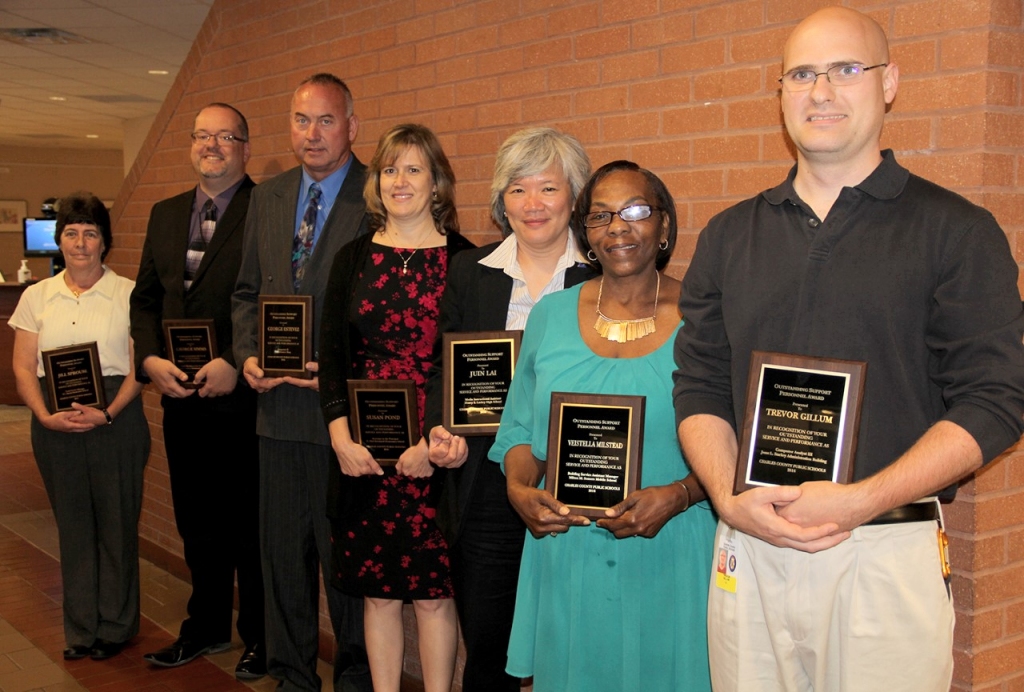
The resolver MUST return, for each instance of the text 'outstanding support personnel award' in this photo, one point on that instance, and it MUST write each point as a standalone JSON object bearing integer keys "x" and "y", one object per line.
{"x": 477, "y": 369}
{"x": 74, "y": 375}
{"x": 595, "y": 445}
{"x": 801, "y": 421}
{"x": 383, "y": 417}
{"x": 191, "y": 344}
{"x": 285, "y": 335}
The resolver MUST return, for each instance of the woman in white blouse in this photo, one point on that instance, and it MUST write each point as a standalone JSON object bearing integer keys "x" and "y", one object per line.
{"x": 91, "y": 459}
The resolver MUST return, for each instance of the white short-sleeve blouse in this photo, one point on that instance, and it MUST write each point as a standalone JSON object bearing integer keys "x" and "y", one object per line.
{"x": 100, "y": 314}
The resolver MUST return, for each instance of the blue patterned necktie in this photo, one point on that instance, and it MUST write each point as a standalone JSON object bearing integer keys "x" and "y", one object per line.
{"x": 302, "y": 246}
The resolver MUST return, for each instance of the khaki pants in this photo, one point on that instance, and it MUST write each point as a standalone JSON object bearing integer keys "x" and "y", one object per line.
{"x": 872, "y": 613}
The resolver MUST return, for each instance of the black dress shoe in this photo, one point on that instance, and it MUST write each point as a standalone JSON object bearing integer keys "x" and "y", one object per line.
{"x": 253, "y": 663}
{"x": 102, "y": 649}
{"x": 73, "y": 653}
{"x": 182, "y": 651}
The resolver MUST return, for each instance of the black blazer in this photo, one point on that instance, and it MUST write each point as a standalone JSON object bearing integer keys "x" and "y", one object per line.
{"x": 160, "y": 293}
{"x": 287, "y": 412}
{"x": 476, "y": 299}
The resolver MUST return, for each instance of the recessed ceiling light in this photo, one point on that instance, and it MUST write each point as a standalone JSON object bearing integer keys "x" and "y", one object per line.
{"x": 159, "y": 72}
{"x": 57, "y": 98}
{"x": 92, "y": 136}
{"x": 41, "y": 36}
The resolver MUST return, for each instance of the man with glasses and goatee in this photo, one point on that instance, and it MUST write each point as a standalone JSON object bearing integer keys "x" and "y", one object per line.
{"x": 190, "y": 259}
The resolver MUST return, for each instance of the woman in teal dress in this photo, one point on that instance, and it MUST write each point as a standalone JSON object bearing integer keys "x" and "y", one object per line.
{"x": 620, "y": 603}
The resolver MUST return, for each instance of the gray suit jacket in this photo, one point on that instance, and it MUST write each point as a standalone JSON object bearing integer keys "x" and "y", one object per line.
{"x": 288, "y": 412}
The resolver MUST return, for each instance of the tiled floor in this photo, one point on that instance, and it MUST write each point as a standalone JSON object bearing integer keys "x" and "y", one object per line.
{"x": 31, "y": 634}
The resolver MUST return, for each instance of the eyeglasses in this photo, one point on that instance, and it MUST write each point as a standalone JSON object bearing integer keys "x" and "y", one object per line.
{"x": 803, "y": 78}
{"x": 634, "y": 212}
{"x": 223, "y": 138}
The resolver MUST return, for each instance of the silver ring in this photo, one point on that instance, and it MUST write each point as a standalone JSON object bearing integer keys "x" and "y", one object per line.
{"x": 553, "y": 534}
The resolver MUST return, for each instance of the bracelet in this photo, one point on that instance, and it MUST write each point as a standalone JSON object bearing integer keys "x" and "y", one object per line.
{"x": 110, "y": 421}
{"x": 680, "y": 482}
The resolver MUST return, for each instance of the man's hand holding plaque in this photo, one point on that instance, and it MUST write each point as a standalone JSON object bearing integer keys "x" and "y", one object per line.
{"x": 285, "y": 336}
{"x": 190, "y": 344}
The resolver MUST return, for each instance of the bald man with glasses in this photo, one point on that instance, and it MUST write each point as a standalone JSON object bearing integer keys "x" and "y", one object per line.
{"x": 828, "y": 586}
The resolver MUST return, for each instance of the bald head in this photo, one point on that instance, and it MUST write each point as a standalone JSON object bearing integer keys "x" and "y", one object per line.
{"x": 842, "y": 25}
{"x": 837, "y": 127}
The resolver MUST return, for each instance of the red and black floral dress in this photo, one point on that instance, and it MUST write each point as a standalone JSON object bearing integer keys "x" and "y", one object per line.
{"x": 389, "y": 545}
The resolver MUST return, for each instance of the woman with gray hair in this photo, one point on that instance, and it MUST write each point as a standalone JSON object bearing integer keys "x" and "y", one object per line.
{"x": 537, "y": 176}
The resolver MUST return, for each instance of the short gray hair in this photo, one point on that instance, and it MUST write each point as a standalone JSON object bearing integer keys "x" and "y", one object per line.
{"x": 326, "y": 79}
{"x": 529, "y": 152}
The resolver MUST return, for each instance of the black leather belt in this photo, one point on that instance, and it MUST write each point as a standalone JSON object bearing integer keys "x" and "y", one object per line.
{"x": 917, "y": 511}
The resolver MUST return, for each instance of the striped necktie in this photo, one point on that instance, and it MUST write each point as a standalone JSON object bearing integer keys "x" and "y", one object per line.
{"x": 198, "y": 242}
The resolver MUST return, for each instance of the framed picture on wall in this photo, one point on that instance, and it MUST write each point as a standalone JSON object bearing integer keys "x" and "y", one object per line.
{"x": 11, "y": 213}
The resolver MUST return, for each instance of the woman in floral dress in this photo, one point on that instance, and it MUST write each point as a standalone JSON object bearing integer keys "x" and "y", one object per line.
{"x": 380, "y": 323}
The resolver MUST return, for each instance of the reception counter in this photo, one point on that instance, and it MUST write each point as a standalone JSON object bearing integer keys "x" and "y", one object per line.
{"x": 10, "y": 293}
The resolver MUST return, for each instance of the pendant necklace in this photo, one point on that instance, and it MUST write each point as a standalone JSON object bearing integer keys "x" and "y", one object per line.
{"x": 622, "y": 331}
{"x": 76, "y": 289}
{"x": 405, "y": 260}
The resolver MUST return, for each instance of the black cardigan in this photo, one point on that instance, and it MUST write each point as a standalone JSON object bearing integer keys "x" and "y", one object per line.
{"x": 336, "y": 353}
{"x": 476, "y": 299}
{"x": 335, "y": 346}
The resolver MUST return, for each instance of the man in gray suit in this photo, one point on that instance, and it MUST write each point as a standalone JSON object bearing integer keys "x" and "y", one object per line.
{"x": 297, "y": 221}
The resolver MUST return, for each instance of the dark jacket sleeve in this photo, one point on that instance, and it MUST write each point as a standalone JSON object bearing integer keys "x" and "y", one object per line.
{"x": 335, "y": 350}
{"x": 450, "y": 319}
{"x": 244, "y": 299}
{"x": 146, "y": 305}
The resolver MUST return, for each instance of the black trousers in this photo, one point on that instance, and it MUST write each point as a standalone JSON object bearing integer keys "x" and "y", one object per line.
{"x": 485, "y": 571}
{"x": 213, "y": 460}
{"x": 94, "y": 482}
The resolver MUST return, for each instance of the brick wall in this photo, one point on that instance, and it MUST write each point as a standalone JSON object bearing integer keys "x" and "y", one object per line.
{"x": 685, "y": 87}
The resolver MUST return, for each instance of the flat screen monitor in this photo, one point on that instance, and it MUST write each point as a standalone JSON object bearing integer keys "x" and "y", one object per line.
{"x": 39, "y": 241}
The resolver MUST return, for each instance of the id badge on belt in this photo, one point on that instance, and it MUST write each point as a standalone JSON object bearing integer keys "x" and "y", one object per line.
{"x": 725, "y": 570}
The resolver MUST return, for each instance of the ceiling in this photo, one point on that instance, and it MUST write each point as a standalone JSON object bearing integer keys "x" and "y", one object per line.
{"x": 81, "y": 94}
